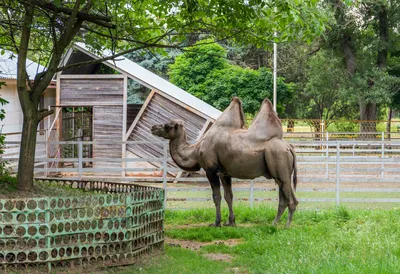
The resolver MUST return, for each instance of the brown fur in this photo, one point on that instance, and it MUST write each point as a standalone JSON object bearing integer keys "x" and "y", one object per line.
{"x": 227, "y": 150}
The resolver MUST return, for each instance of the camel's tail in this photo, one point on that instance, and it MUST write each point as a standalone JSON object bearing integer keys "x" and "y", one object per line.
{"x": 294, "y": 167}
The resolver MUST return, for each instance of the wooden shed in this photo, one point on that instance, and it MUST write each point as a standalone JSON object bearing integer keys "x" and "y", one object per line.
{"x": 114, "y": 119}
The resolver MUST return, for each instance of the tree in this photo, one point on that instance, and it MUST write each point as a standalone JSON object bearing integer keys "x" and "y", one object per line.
{"x": 206, "y": 73}
{"x": 326, "y": 78}
{"x": 45, "y": 29}
{"x": 363, "y": 34}
{"x": 191, "y": 69}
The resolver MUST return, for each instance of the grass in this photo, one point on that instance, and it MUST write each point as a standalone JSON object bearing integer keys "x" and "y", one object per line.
{"x": 8, "y": 189}
{"x": 274, "y": 194}
{"x": 176, "y": 260}
{"x": 335, "y": 240}
{"x": 8, "y": 184}
{"x": 274, "y": 204}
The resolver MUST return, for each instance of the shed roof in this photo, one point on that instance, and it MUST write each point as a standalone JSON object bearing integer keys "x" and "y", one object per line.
{"x": 153, "y": 81}
{"x": 8, "y": 66}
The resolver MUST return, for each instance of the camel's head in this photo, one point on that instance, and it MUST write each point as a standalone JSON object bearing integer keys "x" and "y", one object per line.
{"x": 170, "y": 130}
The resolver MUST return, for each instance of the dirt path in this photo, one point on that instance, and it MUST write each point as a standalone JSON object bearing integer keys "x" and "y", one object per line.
{"x": 195, "y": 245}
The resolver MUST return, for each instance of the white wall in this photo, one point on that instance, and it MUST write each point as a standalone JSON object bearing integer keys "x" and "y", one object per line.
{"x": 14, "y": 118}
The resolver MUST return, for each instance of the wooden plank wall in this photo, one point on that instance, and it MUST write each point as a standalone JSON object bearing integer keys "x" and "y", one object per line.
{"x": 105, "y": 95}
{"x": 107, "y": 125}
{"x": 160, "y": 110}
{"x": 132, "y": 112}
{"x": 91, "y": 92}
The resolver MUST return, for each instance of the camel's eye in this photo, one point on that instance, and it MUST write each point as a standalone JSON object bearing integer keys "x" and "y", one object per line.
{"x": 166, "y": 126}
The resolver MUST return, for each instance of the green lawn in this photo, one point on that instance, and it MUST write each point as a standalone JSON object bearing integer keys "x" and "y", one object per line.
{"x": 335, "y": 240}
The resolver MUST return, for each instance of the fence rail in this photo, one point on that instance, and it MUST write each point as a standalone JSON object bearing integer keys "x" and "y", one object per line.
{"x": 334, "y": 171}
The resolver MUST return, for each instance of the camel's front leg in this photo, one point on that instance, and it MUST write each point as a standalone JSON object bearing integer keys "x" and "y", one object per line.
{"x": 216, "y": 190}
{"x": 228, "y": 195}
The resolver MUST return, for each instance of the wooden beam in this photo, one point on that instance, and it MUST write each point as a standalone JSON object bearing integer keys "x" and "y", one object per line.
{"x": 65, "y": 60}
{"x": 124, "y": 119}
{"x": 93, "y": 76}
{"x": 88, "y": 53}
{"x": 203, "y": 130}
{"x": 58, "y": 120}
{"x": 58, "y": 89}
{"x": 105, "y": 104}
{"x": 137, "y": 118}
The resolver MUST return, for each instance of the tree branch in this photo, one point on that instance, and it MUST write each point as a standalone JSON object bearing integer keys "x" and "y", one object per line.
{"x": 72, "y": 27}
{"x": 314, "y": 51}
{"x": 22, "y": 54}
{"x": 44, "y": 113}
{"x": 97, "y": 19}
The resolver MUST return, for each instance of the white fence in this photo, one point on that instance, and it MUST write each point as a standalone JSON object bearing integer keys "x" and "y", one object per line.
{"x": 329, "y": 171}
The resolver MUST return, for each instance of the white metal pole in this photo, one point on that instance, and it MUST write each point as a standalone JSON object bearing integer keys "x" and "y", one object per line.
{"x": 337, "y": 173}
{"x": 327, "y": 156}
{"x": 383, "y": 156}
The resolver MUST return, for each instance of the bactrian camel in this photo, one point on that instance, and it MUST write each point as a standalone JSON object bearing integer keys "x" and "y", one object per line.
{"x": 228, "y": 150}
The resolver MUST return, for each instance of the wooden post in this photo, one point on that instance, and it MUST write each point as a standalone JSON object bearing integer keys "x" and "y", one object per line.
{"x": 124, "y": 119}
{"x": 165, "y": 156}
{"x": 80, "y": 160}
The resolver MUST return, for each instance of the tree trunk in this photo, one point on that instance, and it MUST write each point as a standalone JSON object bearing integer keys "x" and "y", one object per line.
{"x": 389, "y": 122}
{"x": 368, "y": 119}
{"x": 349, "y": 55}
{"x": 290, "y": 126}
{"x": 383, "y": 37}
{"x": 27, "y": 152}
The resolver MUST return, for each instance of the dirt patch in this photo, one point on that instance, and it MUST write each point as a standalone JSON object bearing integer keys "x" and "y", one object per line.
{"x": 218, "y": 257}
{"x": 194, "y": 245}
{"x": 185, "y": 226}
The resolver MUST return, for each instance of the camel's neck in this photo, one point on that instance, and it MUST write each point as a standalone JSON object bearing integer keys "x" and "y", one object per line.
{"x": 183, "y": 154}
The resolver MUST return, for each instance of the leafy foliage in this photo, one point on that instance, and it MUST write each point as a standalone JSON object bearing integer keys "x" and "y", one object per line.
{"x": 207, "y": 74}
{"x": 3, "y": 164}
{"x": 192, "y": 68}
{"x": 156, "y": 62}
{"x": 326, "y": 78}
{"x": 375, "y": 86}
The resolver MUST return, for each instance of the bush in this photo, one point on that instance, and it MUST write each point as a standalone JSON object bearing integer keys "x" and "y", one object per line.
{"x": 8, "y": 182}
{"x": 342, "y": 126}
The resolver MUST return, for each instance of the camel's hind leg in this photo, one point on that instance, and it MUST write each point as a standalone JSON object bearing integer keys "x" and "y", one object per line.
{"x": 228, "y": 195}
{"x": 290, "y": 196}
{"x": 283, "y": 203}
{"x": 216, "y": 190}
{"x": 280, "y": 161}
